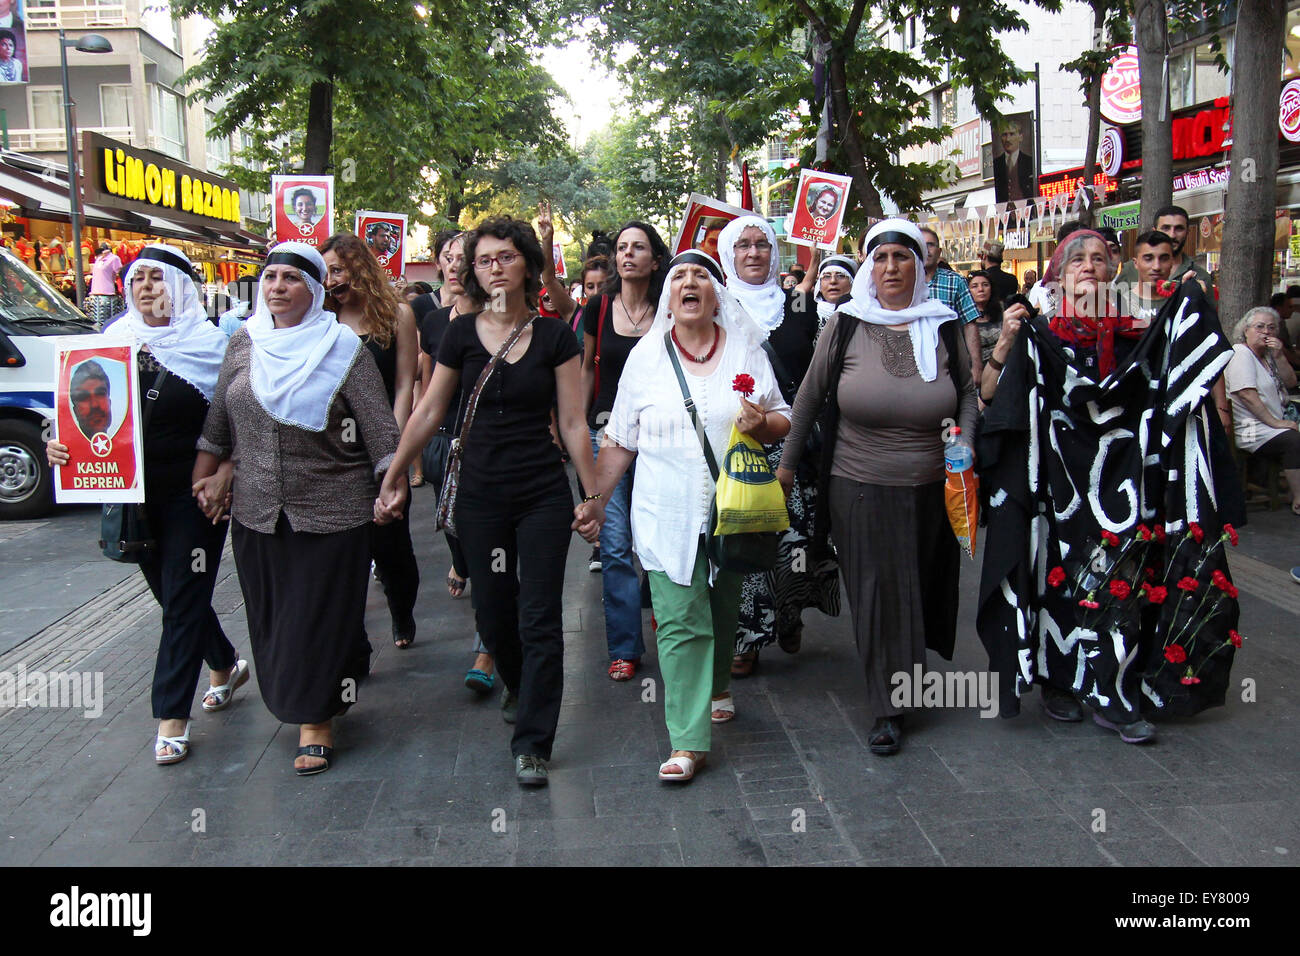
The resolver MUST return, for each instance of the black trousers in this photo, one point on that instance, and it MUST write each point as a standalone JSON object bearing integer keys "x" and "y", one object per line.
{"x": 398, "y": 572}
{"x": 182, "y": 573}
{"x": 516, "y": 540}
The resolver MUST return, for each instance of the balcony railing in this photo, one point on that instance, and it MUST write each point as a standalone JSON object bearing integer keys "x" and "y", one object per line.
{"x": 53, "y": 14}
{"x": 52, "y": 140}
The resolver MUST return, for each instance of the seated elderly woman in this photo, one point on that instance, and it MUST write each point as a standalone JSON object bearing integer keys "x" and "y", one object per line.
{"x": 1258, "y": 377}
{"x": 1104, "y": 575}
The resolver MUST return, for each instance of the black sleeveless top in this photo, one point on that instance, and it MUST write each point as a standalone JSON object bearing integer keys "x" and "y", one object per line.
{"x": 386, "y": 359}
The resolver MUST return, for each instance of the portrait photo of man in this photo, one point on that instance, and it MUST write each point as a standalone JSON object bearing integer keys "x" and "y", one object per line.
{"x": 381, "y": 237}
{"x": 88, "y": 393}
{"x": 1013, "y": 159}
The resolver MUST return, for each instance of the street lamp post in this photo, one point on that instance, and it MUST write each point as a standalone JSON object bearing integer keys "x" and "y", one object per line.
{"x": 90, "y": 43}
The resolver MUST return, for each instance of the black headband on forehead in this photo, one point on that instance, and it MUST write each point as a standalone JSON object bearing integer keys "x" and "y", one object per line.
{"x": 301, "y": 263}
{"x": 901, "y": 238}
{"x": 694, "y": 258}
{"x": 839, "y": 262}
{"x": 155, "y": 254}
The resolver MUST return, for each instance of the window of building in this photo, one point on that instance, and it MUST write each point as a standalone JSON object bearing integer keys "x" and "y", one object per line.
{"x": 1210, "y": 83}
{"x": 218, "y": 146}
{"x": 948, "y": 107}
{"x": 1180, "y": 80}
{"x": 168, "y": 121}
{"x": 909, "y": 33}
{"x": 115, "y": 106}
{"x": 46, "y": 107}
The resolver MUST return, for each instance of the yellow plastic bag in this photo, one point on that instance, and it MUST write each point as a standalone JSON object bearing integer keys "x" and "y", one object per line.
{"x": 961, "y": 494}
{"x": 749, "y": 496}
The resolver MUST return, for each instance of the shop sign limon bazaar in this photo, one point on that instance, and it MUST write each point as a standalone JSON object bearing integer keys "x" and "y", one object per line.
{"x": 1121, "y": 88}
{"x": 141, "y": 180}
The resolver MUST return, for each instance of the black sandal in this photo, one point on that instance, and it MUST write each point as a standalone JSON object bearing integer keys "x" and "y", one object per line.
{"x": 886, "y": 736}
{"x": 314, "y": 750}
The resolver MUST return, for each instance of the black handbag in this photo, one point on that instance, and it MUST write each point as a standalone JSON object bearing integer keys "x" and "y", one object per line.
{"x": 752, "y": 552}
{"x": 124, "y": 533}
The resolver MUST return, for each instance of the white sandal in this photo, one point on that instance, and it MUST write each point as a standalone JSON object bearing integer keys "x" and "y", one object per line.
{"x": 726, "y": 706}
{"x": 225, "y": 693}
{"x": 687, "y": 765}
{"x": 179, "y": 745}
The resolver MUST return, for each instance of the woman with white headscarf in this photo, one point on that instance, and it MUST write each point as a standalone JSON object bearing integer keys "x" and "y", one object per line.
{"x": 301, "y": 410}
{"x": 772, "y": 603}
{"x": 696, "y": 606}
{"x": 893, "y": 373}
{"x": 835, "y": 277}
{"x": 166, "y": 318}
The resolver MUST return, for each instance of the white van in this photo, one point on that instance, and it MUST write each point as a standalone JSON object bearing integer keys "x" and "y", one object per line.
{"x": 30, "y": 312}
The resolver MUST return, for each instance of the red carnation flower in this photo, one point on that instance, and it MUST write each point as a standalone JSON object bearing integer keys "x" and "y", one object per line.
{"x": 1196, "y": 532}
{"x": 1157, "y": 595}
{"x": 1219, "y": 580}
{"x": 1188, "y": 585}
{"x": 1159, "y": 532}
{"x": 1151, "y": 574}
{"x": 1231, "y": 591}
{"x": 1144, "y": 533}
{"x": 1089, "y": 604}
{"x": 1166, "y": 287}
{"x": 1234, "y": 639}
{"x": 1231, "y": 532}
{"x": 1190, "y": 679}
{"x": 1056, "y": 576}
{"x": 1110, "y": 538}
{"x": 744, "y": 384}
{"x": 1120, "y": 589}
{"x": 1175, "y": 654}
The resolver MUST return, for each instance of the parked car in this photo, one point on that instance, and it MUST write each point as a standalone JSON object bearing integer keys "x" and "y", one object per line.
{"x": 31, "y": 311}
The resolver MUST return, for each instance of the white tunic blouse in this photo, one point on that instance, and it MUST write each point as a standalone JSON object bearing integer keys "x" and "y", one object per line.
{"x": 673, "y": 488}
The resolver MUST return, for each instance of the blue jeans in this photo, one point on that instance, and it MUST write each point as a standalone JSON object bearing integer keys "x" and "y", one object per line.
{"x": 619, "y": 581}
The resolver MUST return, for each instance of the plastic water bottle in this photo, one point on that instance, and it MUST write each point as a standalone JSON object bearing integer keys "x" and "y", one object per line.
{"x": 956, "y": 456}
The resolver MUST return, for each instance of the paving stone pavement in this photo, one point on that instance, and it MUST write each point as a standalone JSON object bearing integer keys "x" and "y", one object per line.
{"x": 423, "y": 773}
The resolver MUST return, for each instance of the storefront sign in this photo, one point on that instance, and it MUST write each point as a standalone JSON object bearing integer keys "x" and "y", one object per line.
{"x": 1110, "y": 152}
{"x": 1201, "y": 178}
{"x": 1125, "y": 216}
{"x": 1121, "y": 88}
{"x": 1288, "y": 117}
{"x": 1203, "y": 133}
{"x": 141, "y": 180}
{"x": 1068, "y": 181}
{"x": 961, "y": 147}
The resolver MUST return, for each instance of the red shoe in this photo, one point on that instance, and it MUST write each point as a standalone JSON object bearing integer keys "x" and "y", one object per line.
{"x": 622, "y": 670}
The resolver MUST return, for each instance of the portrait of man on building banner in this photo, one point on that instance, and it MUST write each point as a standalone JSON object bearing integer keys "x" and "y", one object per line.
{"x": 1014, "y": 176}
{"x": 819, "y": 207}
{"x": 13, "y": 43}
{"x": 96, "y": 415}
{"x": 385, "y": 235}
{"x": 303, "y": 207}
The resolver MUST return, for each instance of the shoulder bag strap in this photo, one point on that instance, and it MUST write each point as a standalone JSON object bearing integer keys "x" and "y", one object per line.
{"x": 600, "y": 328}
{"x": 690, "y": 405}
{"x": 150, "y": 397}
{"x": 472, "y": 402}
{"x": 783, "y": 376}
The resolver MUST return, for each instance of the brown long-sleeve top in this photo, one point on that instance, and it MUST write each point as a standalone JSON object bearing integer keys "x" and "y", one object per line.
{"x": 323, "y": 481}
{"x": 890, "y": 429}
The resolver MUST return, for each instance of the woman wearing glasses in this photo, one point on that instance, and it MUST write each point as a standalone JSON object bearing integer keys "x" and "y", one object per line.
{"x": 514, "y": 507}
{"x": 772, "y": 604}
{"x": 1258, "y": 377}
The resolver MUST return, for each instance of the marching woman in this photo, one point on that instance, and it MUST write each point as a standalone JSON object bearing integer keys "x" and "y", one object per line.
{"x": 363, "y": 300}
{"x": 696, "y": 605}
{"x": 893, "y": 367}
{"x": 834, "y": 286}
{"x": 513, "y": 506}
{"x": 165, "y": 314}
{"x": 300, "y": 409}
{"x": 772, "y": 603}
{"x": 613, "y": 324}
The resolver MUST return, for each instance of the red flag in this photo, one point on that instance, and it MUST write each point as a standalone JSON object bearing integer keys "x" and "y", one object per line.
{"x": 746, "y": 191}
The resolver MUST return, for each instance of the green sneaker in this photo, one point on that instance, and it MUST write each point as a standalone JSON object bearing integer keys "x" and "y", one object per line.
{"x": 509, "y": 706}
{"x": 530, "y": 771}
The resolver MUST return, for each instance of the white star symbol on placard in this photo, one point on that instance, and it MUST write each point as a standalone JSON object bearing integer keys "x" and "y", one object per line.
{"x": 101, "y": 444}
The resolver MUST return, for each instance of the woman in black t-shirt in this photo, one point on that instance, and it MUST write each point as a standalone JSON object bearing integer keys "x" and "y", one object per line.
{"x": 359, "y": 294}
{"x": 612, "y": 324}
{"x": 165, "y": 316}
{"x": 514, "y": 509}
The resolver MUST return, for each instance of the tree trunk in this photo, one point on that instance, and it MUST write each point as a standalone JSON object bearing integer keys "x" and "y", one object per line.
{"x": 1157, "y": 133}
{"x": 1087, "y": 213}
{"x": 842, "y": 120}
{"x": 320, "y": 129}
{"x": 1247, "y": 265}
{"x": 720, "y": 175}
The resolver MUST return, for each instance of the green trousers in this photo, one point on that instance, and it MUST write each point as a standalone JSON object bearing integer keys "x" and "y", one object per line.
{"x": 696, "y": 638}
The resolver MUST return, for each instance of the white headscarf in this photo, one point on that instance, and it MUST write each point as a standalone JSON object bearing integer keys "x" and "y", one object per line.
{"x": 296, "y": 372}
{"x": 846, "y": 267}
{"x": 732, "y": 316}
{"x": 923, "y": 316}
{"x": 764, "y": 302}
{"x": 188, "y": 346}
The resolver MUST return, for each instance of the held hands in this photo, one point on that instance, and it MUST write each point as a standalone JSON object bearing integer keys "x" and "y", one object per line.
{"x": 785, "y": 478}
{"x": 588, "y": 516}
{"x": 56, "y": 454}
{"x": 751, "y": 417}
{"x": 213, "y": 493}
{"x": 390, "y": 504}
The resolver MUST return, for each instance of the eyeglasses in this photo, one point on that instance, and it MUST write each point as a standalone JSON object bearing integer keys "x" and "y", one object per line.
{"x": 505, "y": 260}
{"x": 762, "y": 246}
{"x": 1263, "y": 328}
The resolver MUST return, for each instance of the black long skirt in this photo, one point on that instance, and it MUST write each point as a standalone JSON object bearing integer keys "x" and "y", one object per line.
{"x": 901, "y": 565}
{"x": 305, "y": 596}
